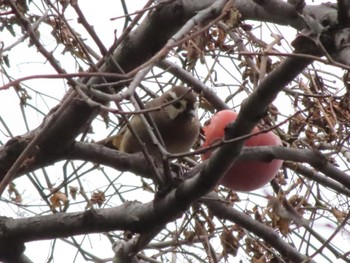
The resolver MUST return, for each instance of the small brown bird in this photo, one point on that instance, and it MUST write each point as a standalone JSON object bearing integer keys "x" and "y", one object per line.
{"x": 176, "y": 122}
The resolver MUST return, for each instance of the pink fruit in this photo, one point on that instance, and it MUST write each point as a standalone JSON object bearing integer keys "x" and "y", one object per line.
{"x": 243, "y": 175}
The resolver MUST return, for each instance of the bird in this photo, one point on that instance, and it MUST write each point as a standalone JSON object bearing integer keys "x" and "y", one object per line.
{"x": 177, "y": 122}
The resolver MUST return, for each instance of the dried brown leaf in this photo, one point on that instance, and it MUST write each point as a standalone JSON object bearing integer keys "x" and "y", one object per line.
{"x": 229, "y": 243}
{"x": 73, "y": 191}
{"x": 58, "y": 200}
{"x": 98, "y": 198}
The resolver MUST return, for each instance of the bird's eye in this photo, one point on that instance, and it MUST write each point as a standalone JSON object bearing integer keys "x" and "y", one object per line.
{"x": 177, "y": 105}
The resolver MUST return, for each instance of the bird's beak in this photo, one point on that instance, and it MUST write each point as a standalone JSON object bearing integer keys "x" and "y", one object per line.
{"x": 193, "y": 113}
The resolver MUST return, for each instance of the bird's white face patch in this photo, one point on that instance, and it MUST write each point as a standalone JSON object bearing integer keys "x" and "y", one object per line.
{"x": 173, "y": 95}
{"x": 176, "y": 108}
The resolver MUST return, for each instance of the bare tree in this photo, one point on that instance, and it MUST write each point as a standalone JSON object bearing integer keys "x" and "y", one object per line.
{"x": 234, "y": 55}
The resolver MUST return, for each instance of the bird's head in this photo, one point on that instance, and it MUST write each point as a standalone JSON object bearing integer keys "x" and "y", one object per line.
{"x": 183, "y": 103}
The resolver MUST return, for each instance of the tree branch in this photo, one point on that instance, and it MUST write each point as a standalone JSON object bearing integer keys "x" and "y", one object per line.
{"x": 224, "y": 211}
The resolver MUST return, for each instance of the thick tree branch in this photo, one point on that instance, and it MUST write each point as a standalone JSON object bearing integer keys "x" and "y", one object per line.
{"x": 225, "y": 211}
{"x": 135, "y": 163}
{"x": 286, "y": 14}
{"x": 131, "y": 216}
